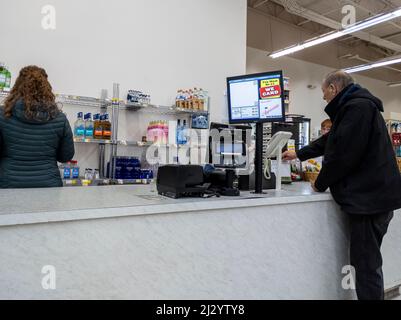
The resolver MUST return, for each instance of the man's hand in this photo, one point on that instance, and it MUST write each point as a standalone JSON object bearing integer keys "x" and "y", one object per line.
{"x": 289, "y": 155}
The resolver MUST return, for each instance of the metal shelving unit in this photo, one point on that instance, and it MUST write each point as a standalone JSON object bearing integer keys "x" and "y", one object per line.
{"x": 102, "y": 104}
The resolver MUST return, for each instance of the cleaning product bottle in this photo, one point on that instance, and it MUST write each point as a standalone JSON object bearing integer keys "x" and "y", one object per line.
{"x": 106, "y": 126}
{"x": 88, "y": 126}
{"x": 2, "y": 76}
{"x": 79, "y": 126}
{"x": 8, "y": 79}
{"x": 97, "y": 127}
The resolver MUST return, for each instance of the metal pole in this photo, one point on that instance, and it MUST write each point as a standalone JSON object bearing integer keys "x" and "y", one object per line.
{"x": 114, "y": 128}
{"x": 102, "y": 147}
{"x": 102, "y": 150}
{"x": 279, "y": 159}
{"x": 259, "y": 159}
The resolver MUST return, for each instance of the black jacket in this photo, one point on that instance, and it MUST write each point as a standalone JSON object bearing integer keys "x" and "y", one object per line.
{"x": 30, "y": 149}
{"x": 359, "y": 163}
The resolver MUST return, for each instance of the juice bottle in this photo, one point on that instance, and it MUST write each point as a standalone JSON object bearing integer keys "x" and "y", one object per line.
{"x": 97, "y": 127}
{"x": 106, "y": 126}
{"x": 178, "y": 99}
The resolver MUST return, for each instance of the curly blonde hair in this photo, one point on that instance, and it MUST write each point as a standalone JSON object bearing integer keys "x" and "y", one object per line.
{"x": 35, "y": 91}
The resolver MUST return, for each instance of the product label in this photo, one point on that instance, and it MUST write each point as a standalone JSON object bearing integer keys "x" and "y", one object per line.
{"x": 67, "y": 173}
{"x": 98, "y": 133}
{"x": 107, "y": 133}
{"x": 79, "y": 132}
{"x": 75, "y": 173}
{"x": 89, "y": 133}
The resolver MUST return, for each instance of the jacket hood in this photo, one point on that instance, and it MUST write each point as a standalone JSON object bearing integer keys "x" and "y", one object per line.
{"x": 41, "y": 116}
{"x": 353, "y": 91}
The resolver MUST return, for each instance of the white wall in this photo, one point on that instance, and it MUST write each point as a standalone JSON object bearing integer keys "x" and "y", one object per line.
{"x": 157, "y": 46}
{"x": 309, "y": 102}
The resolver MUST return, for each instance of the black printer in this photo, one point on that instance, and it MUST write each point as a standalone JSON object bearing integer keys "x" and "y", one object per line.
{"x": 176, "y": 181}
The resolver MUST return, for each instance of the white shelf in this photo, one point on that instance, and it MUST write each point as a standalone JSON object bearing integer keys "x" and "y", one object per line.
{"x": 95, "y": 141}
{"x": 168, "y": 110}
{"x": 134, "y": 143}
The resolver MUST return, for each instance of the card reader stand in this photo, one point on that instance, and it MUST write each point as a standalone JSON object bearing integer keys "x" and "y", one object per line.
{"x": 274, "y": 149}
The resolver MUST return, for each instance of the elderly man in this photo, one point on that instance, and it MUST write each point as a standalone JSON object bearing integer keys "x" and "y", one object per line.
{"x": 361, "y": 171}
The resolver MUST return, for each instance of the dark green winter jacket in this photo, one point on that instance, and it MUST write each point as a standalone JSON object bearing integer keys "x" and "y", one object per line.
{"x": 30, "y": 149}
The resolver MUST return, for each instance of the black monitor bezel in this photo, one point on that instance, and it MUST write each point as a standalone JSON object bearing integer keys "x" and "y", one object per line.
{"x": 269, "y": 73}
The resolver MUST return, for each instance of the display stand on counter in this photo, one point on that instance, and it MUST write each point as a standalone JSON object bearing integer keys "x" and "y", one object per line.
{"x": 394, "y": 129}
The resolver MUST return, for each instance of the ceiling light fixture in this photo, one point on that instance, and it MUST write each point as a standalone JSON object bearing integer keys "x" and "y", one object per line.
{"x": 337, "y": 34}
{"x": 374, "y": 65}
{"x": 394, "y": 84}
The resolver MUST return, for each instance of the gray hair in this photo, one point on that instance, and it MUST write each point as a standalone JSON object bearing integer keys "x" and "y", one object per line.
{"x": 339, "y": 78}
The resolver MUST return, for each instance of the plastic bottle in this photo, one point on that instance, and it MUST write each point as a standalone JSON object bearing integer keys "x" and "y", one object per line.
{"x": 190, "y": 99}
{"x": 67, "y": 170}
{"x": 178, "y": 99}
{"x": 184, "y": 133}
{"x": 106, "y": 126}
{"x": 181, "y": 132}
{"x": 74, "y": 169}
{"x": 97, "y": 127}
{"x": 79, "y": 126}
{"x": 195, "y": 103}
{"x": 165, "y": 132}
{"x": 2, "y": 76}
{"x": 8, "y": 79}
{"x": 178, "y": 131}
{"x": 202, "y": 97}
{"x": 88, "y": 126}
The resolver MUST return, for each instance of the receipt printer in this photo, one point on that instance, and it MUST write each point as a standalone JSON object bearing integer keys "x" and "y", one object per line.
{"x": 176, "y": 181}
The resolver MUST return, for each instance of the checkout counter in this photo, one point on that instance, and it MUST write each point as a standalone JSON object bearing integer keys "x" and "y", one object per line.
{"x": 128, "y": 242}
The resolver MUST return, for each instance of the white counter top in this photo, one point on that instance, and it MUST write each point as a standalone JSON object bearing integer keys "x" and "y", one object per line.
{"x": 30, "y": 206}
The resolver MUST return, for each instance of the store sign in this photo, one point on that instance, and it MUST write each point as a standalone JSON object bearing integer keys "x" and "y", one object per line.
{"x": 270, "y": 92}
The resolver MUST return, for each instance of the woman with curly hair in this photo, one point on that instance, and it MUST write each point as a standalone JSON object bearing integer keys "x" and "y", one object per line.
{"x": 34, "y": 134}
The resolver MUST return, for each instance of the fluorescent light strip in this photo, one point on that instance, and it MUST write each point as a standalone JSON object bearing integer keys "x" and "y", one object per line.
{"x": 394, "y": 84}
{"x": 386, "y": 63}
{"x": 307, "y": 44}
{"x": 334, "y": 35}
{"x": 372, "y": 65}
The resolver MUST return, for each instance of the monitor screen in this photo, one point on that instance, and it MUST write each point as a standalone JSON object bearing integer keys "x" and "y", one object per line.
{"x": 256, "y": 98}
